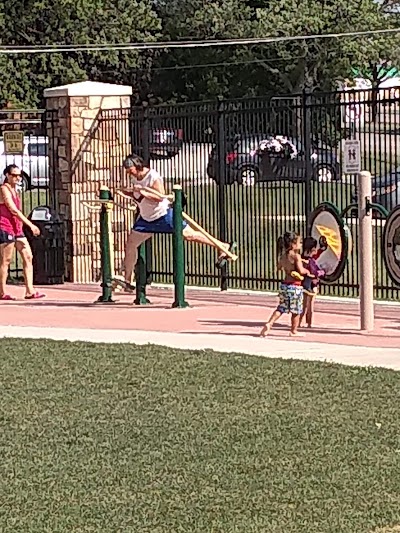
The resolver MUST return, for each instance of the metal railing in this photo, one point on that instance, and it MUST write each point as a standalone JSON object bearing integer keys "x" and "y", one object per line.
{"x": 237, "y": 192}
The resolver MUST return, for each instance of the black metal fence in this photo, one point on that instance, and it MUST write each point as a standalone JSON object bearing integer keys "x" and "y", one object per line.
{"x": 39, "y": 130}
{"x": 212, "y": 148}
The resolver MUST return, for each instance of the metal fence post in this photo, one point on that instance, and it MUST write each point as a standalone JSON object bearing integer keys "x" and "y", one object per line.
{"x": 221, "y": 150}
{"x": 148, "y": 255}
{"x": 307, "y": 154}
{"x": 178, "y": 251}
{"x": 141, "y": 277}
{"x": 105, "y": 250}
{"x": 365, "y": 252}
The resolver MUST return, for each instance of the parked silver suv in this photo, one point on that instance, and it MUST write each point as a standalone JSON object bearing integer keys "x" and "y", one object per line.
{"x": 34, "y": 162}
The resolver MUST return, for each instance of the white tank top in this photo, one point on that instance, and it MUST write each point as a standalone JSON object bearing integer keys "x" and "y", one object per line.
{"x": 150, "y": 210}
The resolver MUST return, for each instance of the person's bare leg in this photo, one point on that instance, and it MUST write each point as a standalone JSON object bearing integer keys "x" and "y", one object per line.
{"x": 306, "y": 304}
{"x": 295, "y": 326}
{"x": 191, "y": 235}
{"x": 273, "y": 318}
{"x": 6, "y": 254}
{"x": 25, "y": 252}
{"x": 135, "y": 239}
{"x": 310, "y": 311}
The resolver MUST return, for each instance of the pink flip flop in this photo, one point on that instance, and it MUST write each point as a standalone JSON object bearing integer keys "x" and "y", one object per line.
{"x": 7, "y": 298}
{"x": 35, "y": 296}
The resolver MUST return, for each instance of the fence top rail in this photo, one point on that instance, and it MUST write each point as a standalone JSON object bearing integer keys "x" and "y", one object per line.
{"x": 341, "y": 98}
{"x": 24, "y": 111}
{"x": 20, "y": 121}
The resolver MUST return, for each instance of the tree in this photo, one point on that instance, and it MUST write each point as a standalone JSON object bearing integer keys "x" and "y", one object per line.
{"x": 324, "y": 61}
{"x": 285, "y": 67}
{"x": 196, "y": 20}
{"x": 46, "y": 22}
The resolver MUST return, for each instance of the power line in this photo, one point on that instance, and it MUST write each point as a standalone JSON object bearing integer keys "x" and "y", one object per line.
{"x": 53, "y": 49}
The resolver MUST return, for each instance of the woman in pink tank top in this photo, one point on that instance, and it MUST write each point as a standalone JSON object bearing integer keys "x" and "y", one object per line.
{"x": 12, "y": 235}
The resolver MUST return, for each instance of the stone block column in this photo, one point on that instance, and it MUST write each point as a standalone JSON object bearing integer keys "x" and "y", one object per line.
{"x": 90, "y": 140}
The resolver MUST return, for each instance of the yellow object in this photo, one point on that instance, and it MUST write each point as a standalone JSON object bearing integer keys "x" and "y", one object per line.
{"x": 332, "y": 238}
{"x": 296, "y": 275}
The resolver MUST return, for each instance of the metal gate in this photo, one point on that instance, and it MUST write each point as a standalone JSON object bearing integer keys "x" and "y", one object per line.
{"x": 26, "y": 141}
{"x": 213, "y": 150}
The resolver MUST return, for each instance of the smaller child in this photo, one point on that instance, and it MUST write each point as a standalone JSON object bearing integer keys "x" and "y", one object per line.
{"x": 291, "y": 290}
{"x": 310, "y": 284}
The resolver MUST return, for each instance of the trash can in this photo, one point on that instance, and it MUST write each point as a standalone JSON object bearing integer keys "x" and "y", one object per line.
{"x": 48, "y": 247}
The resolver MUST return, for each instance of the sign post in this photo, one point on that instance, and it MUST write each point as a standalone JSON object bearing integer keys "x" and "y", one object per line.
{"x": 352, "y": 157}
{"x": 365, "y": 252}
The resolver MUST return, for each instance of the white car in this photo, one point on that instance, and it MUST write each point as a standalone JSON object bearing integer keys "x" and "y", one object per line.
{"x": 34, "y": 162}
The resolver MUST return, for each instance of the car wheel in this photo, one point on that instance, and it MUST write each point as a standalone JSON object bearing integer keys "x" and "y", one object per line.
{"x": 324, "y": 174}
{"x": 248, "y": 176}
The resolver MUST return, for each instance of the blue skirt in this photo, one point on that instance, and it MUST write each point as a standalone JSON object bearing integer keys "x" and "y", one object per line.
{"x": 164, "y": 224}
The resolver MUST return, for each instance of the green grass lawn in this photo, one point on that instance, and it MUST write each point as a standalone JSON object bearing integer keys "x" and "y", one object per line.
{"x": 119, "y": 438}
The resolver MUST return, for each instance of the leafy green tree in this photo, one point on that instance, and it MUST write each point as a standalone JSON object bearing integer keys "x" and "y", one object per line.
{"x": 324, "y": 61}
{"x": 45, "y": 22}
{"x": 284, "y": 67}
{"x": 190, "y": 73}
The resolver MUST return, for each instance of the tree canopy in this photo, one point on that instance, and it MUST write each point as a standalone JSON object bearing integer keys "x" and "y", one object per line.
{"x": 197, "y": 73}
{"x": 44, "y": 22}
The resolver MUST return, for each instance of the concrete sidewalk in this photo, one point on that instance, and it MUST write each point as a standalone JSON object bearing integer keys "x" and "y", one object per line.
{"x": 269, "y": 347}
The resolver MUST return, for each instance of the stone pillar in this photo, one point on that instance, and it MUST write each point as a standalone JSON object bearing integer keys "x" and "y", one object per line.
{"x": 91, "y": 138}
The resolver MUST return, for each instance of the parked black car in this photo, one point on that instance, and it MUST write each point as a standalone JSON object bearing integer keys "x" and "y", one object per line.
{"x": 385, "y": 190}
{"x": 246, "y": 163}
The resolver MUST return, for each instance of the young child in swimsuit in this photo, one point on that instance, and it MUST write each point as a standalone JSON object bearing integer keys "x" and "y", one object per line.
{"x": 310, "y": 255}
{"x": 291, "y": 290}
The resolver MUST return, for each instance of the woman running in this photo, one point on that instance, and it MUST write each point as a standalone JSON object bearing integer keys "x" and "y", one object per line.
{"x": 12, "y": 235}
{"x": 155, "y": 215}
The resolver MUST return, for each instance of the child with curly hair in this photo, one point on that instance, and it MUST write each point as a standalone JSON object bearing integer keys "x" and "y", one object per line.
{"x": 310, "y": 255}
{"x": 291, "y": 289}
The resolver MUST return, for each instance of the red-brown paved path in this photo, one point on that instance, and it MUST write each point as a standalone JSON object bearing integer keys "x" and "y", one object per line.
{"x": 211, "y": 312}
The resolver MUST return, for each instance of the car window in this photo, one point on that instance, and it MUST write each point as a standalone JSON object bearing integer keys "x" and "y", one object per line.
{"x": 37, "y": 149}
{"x": 247, "y": 144}
{"x": 250, "y": 143}
{"x": 298, "y": 144}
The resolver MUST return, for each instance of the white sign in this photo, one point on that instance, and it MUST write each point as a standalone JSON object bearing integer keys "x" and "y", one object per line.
{"x": 352, "y": 157}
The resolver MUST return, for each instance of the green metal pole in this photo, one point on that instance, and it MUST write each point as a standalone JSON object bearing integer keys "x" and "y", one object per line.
{"x": 141, "y": 277}
{"x": 178, "y": 251}
{"x": 106, "y": 296}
